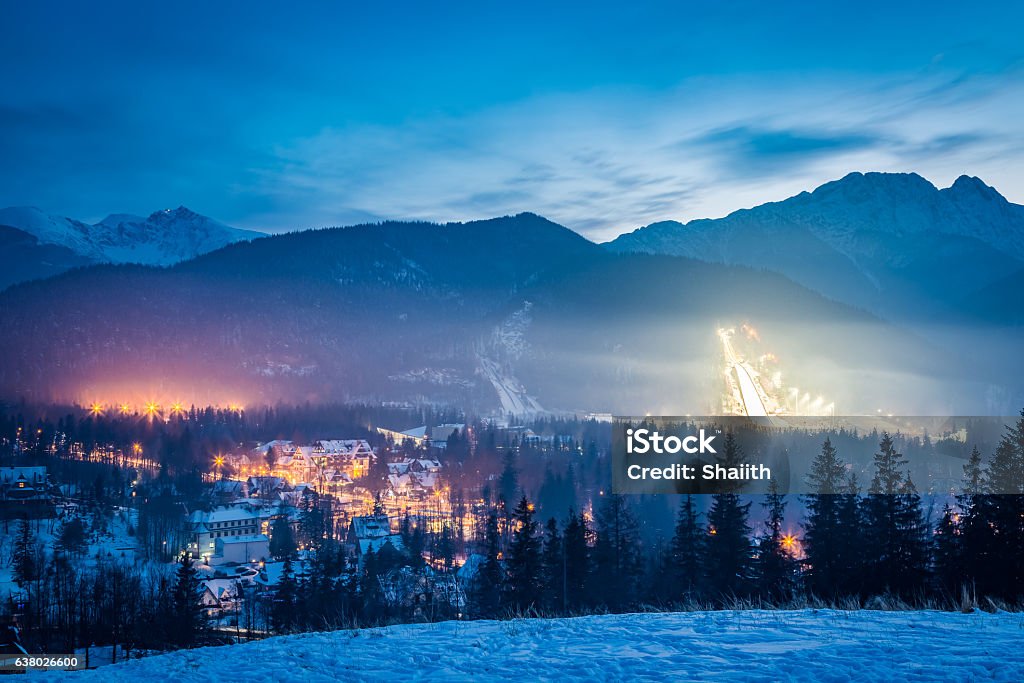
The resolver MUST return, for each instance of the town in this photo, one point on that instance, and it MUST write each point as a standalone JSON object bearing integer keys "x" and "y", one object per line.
{"x": 147, "y": 491}
{"x": 129, "y": 532}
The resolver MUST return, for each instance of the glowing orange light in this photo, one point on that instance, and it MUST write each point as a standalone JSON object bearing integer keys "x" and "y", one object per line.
{"x": 218, "y": 461}
{"x": 96, "y": 409}
{"x": 177, "y": 408}
{"x": 125, "y": 408}
{"x": 152, "y": 408}
{"x": 136, "y": 448}
{"x": 789, "y": 541}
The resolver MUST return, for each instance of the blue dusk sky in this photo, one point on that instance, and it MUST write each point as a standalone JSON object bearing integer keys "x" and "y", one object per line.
{"x": 603, "y": 117}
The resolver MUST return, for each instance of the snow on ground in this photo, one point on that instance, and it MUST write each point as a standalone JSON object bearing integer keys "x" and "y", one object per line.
{"x": 114, "y": 541}
{"x": 807, "y": 645}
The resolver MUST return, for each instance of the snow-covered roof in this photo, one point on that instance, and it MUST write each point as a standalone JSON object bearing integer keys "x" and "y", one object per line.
{"x": 471, "y": 567}
{"x": 371, "y": 526}
{"x": 222, "y": 589}
{"x": 11, "y": 474}
{"x": 237, "y": 540}
{"x": 222, "y": 514}
{"x": 375, "y": 544}
{"x": 280, "y": 444}
{"x": 345, "y": 447}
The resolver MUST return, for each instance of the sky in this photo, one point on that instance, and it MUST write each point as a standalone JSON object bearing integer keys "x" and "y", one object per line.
{"x": 600, "y": 116}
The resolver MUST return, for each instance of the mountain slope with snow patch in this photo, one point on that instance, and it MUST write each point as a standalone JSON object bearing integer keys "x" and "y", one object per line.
{"x": 161, "y": 239}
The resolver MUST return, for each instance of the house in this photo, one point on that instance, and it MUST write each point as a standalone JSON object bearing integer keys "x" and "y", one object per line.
{"x": 218, "y": 594}
{"x": 223, "y": 522}
{"x": 266, "y": 487}
{"x": 414, "y": 478}
{"x": 240, "y": 549}
{"x": 311, "y": 463}
{"x": 366, "y": 545}
{"x": 369, "y": 526}
{"x": 368, "y": 533}
{"x": 228, "y": 490}
{"x": 24, "y": 490}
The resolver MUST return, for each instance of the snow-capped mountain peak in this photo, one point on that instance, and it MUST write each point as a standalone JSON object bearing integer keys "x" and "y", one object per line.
{"x": 163, "y": 238}
{"x": 49, "y": 229}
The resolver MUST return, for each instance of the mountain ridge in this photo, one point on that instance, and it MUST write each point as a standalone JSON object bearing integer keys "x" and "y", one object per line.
{"x": 892, "y": 243}
{"x": 163, "y": 238}
{"x": 454, "y": 313}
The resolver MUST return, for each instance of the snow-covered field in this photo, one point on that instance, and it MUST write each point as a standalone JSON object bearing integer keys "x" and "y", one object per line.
{"x": 807, "y": 645}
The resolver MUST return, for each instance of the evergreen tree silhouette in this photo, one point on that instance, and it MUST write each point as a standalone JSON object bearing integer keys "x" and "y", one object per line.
{"x": 686, "y": 555}
{"x": 523, "y": 568}
{"x": 897, "y": 555}
{"x": 776, "y": 569}
{"x": 728, "y": 546}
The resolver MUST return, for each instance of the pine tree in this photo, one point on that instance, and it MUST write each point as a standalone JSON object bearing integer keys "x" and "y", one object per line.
{"x": 282, "y": 539}
{"x": 444, "y": 547}
{"x": 686, "y": 556}
{"x": 849, "y": 546}
{"x": 188, "y": 621}
{"x": 370, "y": 593}
{"x": 1004, "y": 485}
{"x": 490, "y": 575}
{"x": 524, "y": 561}
{"x": 728, "y": 545}
{"x": 977, "y": 537}
{"x": 776, "y": 567}
{"x": 311, "y": 521}
{"x": 576, "y": 540}
{"x": 283, "y": 613}
{"x": 553, "y": 570}
{"x": 26, "y": 568}
{"x": 72, "y": 536}
{"x": 949, "y": 564}
{"x": 897, "y": 557}
{"x": 508, "y": 483}
{"x": 414, "y": 541}
{"x": 822, "y": 529}
{"x": 618, "y": 565}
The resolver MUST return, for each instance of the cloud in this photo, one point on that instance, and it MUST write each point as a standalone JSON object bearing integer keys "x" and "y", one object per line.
{"x": 600, "y": 161}
{"x": 603, "y": 162}
{"x": 749, "y": 149}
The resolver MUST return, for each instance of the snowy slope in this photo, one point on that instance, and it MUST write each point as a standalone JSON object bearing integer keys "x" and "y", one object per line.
{"x": 51, "y": 229}
{"x": 809, "y": 645}
{"x": 163, "y": 238}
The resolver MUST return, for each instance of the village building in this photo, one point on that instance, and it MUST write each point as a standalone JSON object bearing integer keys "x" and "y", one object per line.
{"x": 25, "y": 491}
{"x": 372, "y": 533}
{"x": 240, "y": 549}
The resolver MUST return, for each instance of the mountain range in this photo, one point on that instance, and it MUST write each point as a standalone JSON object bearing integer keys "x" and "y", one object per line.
{"x": 35, "y": 244}
{"x": 521, "y": 314}
{"x": 893, "y": 244}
